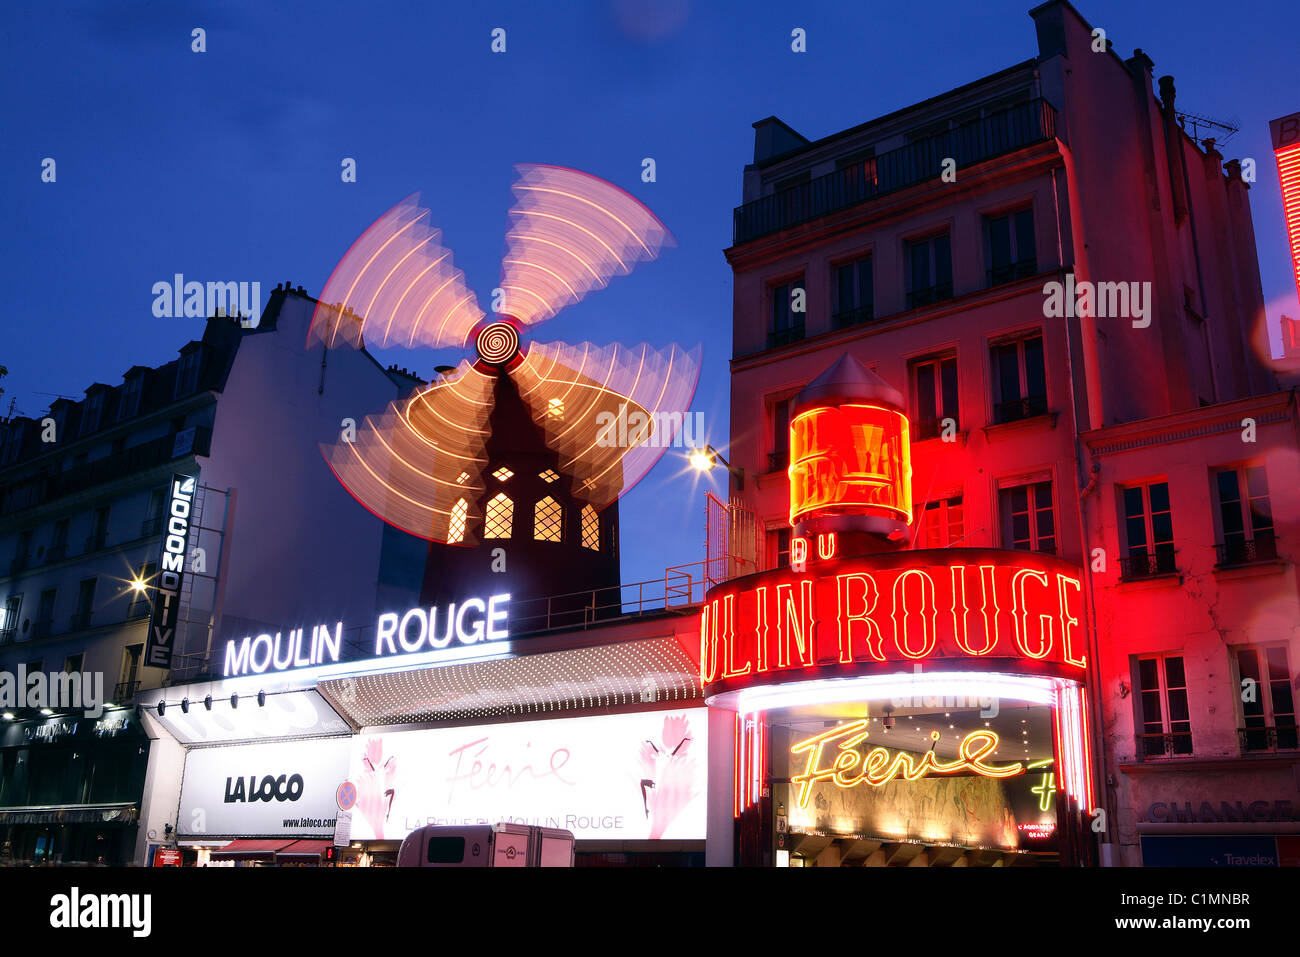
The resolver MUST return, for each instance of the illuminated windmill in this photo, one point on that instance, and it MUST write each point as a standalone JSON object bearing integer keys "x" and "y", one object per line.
{"x": 514, "y": 447}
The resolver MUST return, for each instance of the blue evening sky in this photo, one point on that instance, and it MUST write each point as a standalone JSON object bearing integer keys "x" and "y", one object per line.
{"x": 225, "y": 165}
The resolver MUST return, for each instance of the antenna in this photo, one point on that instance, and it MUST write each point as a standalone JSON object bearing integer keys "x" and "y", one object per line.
{"x": 1229, "y": 127}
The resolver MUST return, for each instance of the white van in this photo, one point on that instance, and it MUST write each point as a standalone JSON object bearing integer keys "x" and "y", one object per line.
{"x": 496, "y": 845}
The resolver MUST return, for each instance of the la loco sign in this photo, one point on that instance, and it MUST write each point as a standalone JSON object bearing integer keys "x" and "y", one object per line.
{"x": 976, "y": 609}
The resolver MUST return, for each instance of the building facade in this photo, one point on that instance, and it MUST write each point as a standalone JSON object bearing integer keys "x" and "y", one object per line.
{"x": 1063, "y": 286}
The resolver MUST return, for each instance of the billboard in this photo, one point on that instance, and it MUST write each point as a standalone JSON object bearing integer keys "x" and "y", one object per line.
{"x": 634, "y": 776}
{"x": 171, "y": 570}
{"x": 263, "y": 790}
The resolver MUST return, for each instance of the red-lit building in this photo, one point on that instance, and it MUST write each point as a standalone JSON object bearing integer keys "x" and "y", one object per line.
{"x": 1062, "y": 288}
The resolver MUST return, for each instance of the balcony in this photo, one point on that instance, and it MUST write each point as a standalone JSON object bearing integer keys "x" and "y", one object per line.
{"x": 853, "y": 317}
{"x": 1012, "y": 271}
{"x": 79, "y": 622}
{"x": 8, "y": 635}
{"x": 20, "y": 563}
{"x": 1140, "y": 565}
{"x": 1246, "y": 551}
{"x": 124, "y": 691}
{"x": 57, "y": 553}
{"x": 95, "y": 542}
{"x": 1013, "y": 410}
{"x": 39, "y": 489}
{"x": 783, "y": 337}
{"x": 929, "y": 295}
{"x": 151, "y": 527}
{"x": 1263, "y": 739}
{"x": 994, "y": 135}
{"x": 1163, "y": 745}
{"x": 43, "y": 628}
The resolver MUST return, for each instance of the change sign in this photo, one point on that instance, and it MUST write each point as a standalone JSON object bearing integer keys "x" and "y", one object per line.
{"x": 171, "y": 570}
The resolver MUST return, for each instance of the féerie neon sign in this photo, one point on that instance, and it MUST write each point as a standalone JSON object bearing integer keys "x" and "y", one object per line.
{"x": 877, "y": 767}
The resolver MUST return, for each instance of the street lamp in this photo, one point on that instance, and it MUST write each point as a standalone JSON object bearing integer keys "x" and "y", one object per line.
{"x": 703, "y": 460}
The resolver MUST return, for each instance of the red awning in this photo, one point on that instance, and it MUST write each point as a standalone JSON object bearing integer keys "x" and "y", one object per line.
{"x": 304, "y": 849}
{"x": 250, "y": 848}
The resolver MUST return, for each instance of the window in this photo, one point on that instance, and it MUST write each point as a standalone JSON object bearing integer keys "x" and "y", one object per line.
{"x": 73, "y": 663}
{"x": 45, "y": 613}
{"x": 789, "y": 306}
{"x": 1165, "y": 718}
{"x": 500, "y": 517}
{"x": 100, "y": 536}
{"x": 548, "y": 520}
{"x": 502, "y": 474}
{"x": 59, "y": 544}
{"x": 779, "y": 457}
{"x": 1148, "y": 531}
{"x": 929, "y": 270}
{"x": 854, "y": 293}
{"x": 1019, "y": 382}
{"x": 129, "y": 404}
{"x": 1267, "y": 704}
{"x": 9, "y": 623}
{"x": 1027, "y": 521}
{"x": 1245, "y": 516}
{"x": 91, "y": 411}
{"x": 153, "y": 517}
{"x": 590, "y": 528}
{"x": 85, "y": 604}
{"x": 934, "y": 390}
{"x": 778, "y": 548}
{"x": 456, "y": 525}
{"x": 940, "y": 524}
{"x": 187, "y": 372}
{"x": 549, "y": 476}
{"x": 1009, "y": 246}
{"x": 126, "y": 688}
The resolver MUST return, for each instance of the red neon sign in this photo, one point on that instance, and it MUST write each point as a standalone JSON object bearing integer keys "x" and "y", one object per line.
{"x": 968, "y": 608}
{"x": 1286, "y": 149}
{"x": 850, "y": 459}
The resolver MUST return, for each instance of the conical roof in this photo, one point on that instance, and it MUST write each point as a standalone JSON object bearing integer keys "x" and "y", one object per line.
{"x": 848, "y": 380}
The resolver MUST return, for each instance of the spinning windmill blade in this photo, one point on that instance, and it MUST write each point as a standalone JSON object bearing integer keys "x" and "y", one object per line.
{"x": 419, "y": 466}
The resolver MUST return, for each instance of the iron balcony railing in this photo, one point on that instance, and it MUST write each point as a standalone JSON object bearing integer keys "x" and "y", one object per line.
{"x": 994, "y": 135}
{"x": 1163, "y": 745}
{"x": 1013, "y": 410}
{"x": 124, "y": 691}
{"x": 1148, "y": 564}
{"x": 1012, "y": 271}
{"x": 783, "y": 337}
{"x": 853, "y": 317}
{"x": 929, "y": 295}
{"x": 1262, "y": 738}
{"x": 1244, "y": 551}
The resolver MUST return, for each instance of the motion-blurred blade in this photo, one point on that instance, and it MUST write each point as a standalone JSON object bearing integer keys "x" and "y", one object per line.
{"x": 396, "y": 286}
{"x": 608, "y": 411}
{"x": 419, "y": 466}
{"x": 569, "y": 233}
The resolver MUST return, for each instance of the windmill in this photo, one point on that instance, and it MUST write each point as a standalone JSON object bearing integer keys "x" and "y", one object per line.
{"x": 512, "y": 445}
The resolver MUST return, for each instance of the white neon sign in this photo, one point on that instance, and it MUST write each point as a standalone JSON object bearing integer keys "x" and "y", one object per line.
{"x": 414, "y": 633}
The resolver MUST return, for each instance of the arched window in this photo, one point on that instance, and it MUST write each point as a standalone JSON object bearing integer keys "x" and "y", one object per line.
{"x": 456, "y": 527}
{"x": 548, "y": 520}
{"x": 590, "y": 528}
{"x": 500, "y": 517}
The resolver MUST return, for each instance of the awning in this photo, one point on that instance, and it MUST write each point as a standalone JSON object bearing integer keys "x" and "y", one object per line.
{"x": 251, "y": 848}
{"x": 305, "y": 849}
{"x": 70, "y": 814}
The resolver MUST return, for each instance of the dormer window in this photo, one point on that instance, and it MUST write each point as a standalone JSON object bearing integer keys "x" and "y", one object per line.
{"x": 130, "y": 403}
{"x": 187, "y": 372}
{"x": 92, "y": 411}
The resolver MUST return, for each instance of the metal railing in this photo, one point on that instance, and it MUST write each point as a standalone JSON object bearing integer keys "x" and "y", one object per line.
{"x": 151, "y": 527}
{"x": 1013, "y": 410}
{"x": 929, "y": 295}
{"x": 124, "y": 691}
{"x": 783, "y": 337}
{"x": 1012, "y": 271}
{"x": 80, "y": 621}
{"x": 20, "y": 563}
{"x": 56, "y": 553}
{"x": 1244, "y": 551}
{"x": 95, "y": 542}
{"x": 680, "y": 590}
{"x": 1002, "y": 132}
{"x": 1163, "y": 745}
{"x": 8, "y": 634}
{"x": 853, "y": 317}
{"x": 1264, "y": 738}
{"x": 1148, "y": 564}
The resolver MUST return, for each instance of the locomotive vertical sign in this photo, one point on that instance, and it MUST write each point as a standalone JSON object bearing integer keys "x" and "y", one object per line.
{"x": 171, "y": 571}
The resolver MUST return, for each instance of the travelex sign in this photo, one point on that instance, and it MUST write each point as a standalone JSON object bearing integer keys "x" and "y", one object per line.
{"x": 968, "y": 608}
{"x": 418, "y": 630}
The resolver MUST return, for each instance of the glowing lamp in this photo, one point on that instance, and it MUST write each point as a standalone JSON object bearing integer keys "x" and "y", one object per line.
{"x": 850, "y": 455}
{"x": 702, "y": 460}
